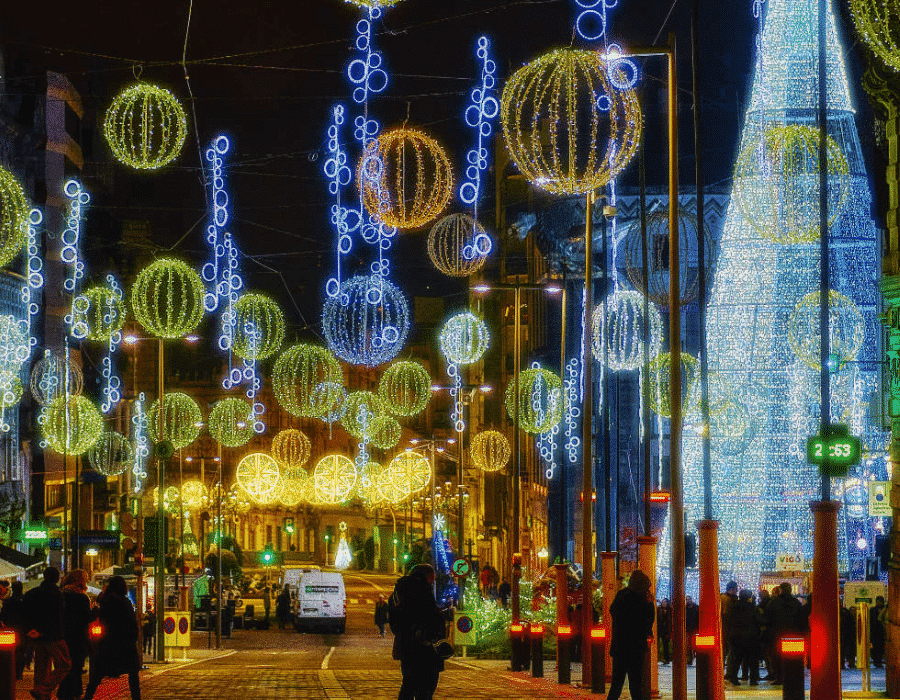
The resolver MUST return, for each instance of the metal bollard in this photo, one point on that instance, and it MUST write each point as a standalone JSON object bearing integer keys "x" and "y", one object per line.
{"x": 793, "y": 654}
{"x": 598, "y": 660}
{"x": 8, "y": 642}
{"x": 537, "y": 651}
{"x": 525, "y": 646}
{"x": 564, "y": 654}
{"x": 703, "y": 645}
{"x": 515, "y": 639}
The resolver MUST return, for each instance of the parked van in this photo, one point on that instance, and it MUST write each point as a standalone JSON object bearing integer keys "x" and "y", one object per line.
{"x": 321, "y": 602}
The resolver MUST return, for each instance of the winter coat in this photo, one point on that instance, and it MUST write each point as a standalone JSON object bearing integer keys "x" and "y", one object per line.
{"x": 416, "y": 621}
{"x": 381, "y": 612}
{"x": 77, "y": 615}
{"x": 783, "y": 616}
{"x": 117, "y": 651}
{"x": 632, "y": 615}
{"x": 44, "y": 612}
{"x": 283, "y": 605}
{"x": 743, "y": 624}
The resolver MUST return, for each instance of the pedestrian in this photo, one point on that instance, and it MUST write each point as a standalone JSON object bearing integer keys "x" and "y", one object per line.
{"x": 149, "y": 628}
{"x": 848, "y": 637}
{"x": 13, "y": 615}
{"x": 381, "y": 614}
{"x": 77, "y": 615}
{"x": 267, "y": 602}
{"x": 727, "y": 598}
{"x": 504, "y": 592}
{"x": 485, "y": 579}
{"x": 116, "y": 653}
{"x": 44, "y": 620}
{"x": 692, "y": 626}
{"x": 876, "y": 632}
{"x": 744, "y": 639}
{"x": 632, "y": 613}
{"x": 283, "y": 608}
{"x": 418, "y": 626}
{"x": 782, "y": 620}
{"x": 575, "y": 615}
{"x": 495, "y": 582}
{"x": 4, "y": 591}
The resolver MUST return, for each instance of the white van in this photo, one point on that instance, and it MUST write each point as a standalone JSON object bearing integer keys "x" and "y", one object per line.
{"x": 321, "y": 602}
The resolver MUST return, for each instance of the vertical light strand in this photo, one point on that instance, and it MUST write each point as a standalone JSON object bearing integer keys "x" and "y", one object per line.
{"x": 71, "y": 253}
{"x": 34, "y": 277}
{"x": 112, "y": 383}
{"x": 218, "y": 220}
{"x": 141, "y": 445}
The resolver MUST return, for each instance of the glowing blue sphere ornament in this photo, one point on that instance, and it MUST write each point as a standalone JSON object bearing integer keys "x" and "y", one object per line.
{"x": 619, "y": 324}
{"x": 464, "y": 338}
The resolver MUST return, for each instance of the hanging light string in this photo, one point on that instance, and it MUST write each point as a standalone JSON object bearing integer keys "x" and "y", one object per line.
{"x": 212, "y": 272}
{"x": 344, "y": 220}
{"x": 142, "y": 446}
{"x": 34, "y": 277}
{"x": 71, "y": 253}
{"x": 112, "y": 383}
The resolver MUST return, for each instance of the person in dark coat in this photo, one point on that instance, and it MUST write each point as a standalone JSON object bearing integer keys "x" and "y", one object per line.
{"x": 664, "y": 631}
{"x": 632, "y": 613}
{"x": 848, "y": 637}
{"x": 692, "y": 626}
{"x": 417, "y": 624}
{"x": 381, "y": 614}
{"x": 727, "y": 598}
{"x": 283, "y": 608}
{"x": 44, "y": 620}
{"x": 13, "y": 615}
{"x": 116, "y": 652}
{"x": 504, "y": 592}
{"x": 876, "y": 632}
{"x": 782, "y": 620}
{"x": 744, "y": 638}
{"x": 149, "y": 628}
{"x": 77, "y": 615}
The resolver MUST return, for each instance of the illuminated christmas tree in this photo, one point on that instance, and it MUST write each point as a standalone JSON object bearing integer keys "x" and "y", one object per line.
{"x": 762, "y": 323}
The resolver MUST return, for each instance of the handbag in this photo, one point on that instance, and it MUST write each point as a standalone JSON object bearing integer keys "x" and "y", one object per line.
{"x": 443, "y": 649}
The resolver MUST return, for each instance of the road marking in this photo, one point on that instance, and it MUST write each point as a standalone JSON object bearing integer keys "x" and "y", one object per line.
{"x": 325, "y": 660}
{"x": 175, "y": 666}
{"x": 330, "y": 684}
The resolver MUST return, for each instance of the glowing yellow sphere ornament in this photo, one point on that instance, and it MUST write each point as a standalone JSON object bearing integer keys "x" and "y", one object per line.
{"x": 291, "y": 449}
{"x": 182, "y": 420}
{"x": 112, "y": 454}
{"x": 167, "y": 298}
{"x": 71, "y": 424}
{"x": 14, "y": 211}
{"x": 776, "y": 183}
{"x": 405, "y": 388}
{"x": 373, "y": 4}
{"x": 258, "y": 474}
{"x": 458, "y": 245}
{"x": 659, "y": 382}
{"x": 98, "y": 313}
{"x": 878, "y": 23}
{"x": 388, "y": 489}
{"x": 540, "y": 401}
{"x": 293, "y": 486}
{"x": 490, "y": 451}
{"x": 231, "y": 422}
{"x": 568, "y": 128}
{"x": 170, "y": 500}
{"x": 334, "y": 478}
{"x": 194, "y": 494}
{"x": 846, "y": 330}
{"x": 410, "y": 472}
{"x": 386, "y": 432}
{"x": 406, "y": 178}
{"x": 307, "y": 381}
{"x": 145, "y": 127}
{"x": 361, "y": 410}
{"x": 259, "y": 327}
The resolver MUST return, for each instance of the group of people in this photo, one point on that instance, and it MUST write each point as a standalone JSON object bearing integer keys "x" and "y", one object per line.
{"x": 492, "y": 587}
{"x": 877, "y": 638}
{"x": 53, "y": 623}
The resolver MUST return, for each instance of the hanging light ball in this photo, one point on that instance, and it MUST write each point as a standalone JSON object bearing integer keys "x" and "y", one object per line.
{"x": 361, "y": 409}
{"x": 98, "y": 313}
{"x": 194, "y": 494}
{"x": 657, "y": 287}
{"x": 53, "y": 376}
{"x": 370, "y": 494}
{"x": 732, "y": 428}
{"x": 388, "y": 489}
{"x": 307, "y": 380}
{"x": 259, "y": 327}
{"x": 10, "y": 393}
{"x": 145, "y": 127}
{"x": 71, "y": 424}
{"x": 659, "y": 382}
{"x": 182, "y": 420}
{"x": 112, "y": 454}
{"x": 458, "y": 245}
{"x": 170, "y": 499}
{"x": 878, "y": 23}
{"x": 568, "y": 128}
{"x": 338, "y": 397}
{"x": 367, "y": 322}
{"x": 464, "y": 338}
{"x": 846, "y": 330}
{"x": 776, "y": 183}
{"x": 373, "y": 4}
{"x": 231, "y": 422}
{"x": 490, "y": 451}
{"x": 167, "y": 298}
{"x": 410, "y": 472}
{"x": 334, "y": 478}
{"x": 258, "y": 474}
{"x": 386, "y": 432}
{"x": 540, "y": 400}
{"x": 406, "y": 178}
{"x": 618, "y": 329}
{"x": 14, "y": 344}
{"x": 293, "y": 486}
{"x": 291, "y": 449}
{"x": 405, "y": 388}
{"x": 14, "y": 212}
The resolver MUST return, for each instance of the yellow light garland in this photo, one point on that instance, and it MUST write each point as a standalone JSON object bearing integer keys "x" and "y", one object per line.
{"x": 231, "y": 422}
{"x": 98, "y": 313}
{"x": 334, "y": 478}
{"x": 14, "y": 212}
{"x": 361, "y": 410}
{"x": 167, "y": 298}
{"x": 259, "y": 327}
{"x": 878, "y": 23}
{"x": 181, "y": 423}
{"x": 71, "y": 424}
{"x": 194, "y": 494}
{"x": 145, "y": 127}
{"x": 386, "y": 432}
{"x": 490, "y": 451}
{"x": 540, "y": 400}
{"x": 291, "y": 448}
{"x": 405, "y": 388}
{"x": 307, "y": 381}
{"x": 846, "y": 329}
{"x": 112, "y": 454}
{"x": 458, "y": 246}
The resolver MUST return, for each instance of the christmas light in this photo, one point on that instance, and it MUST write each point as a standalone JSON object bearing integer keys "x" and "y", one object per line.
{"x": 618, "y": 328}
{"x": 34, "y": 270}
{"x": 368, "y": 322}
{"x": 307, "y": 380}
{"x": 291, "y": 449}
{"x": 568, "y": 128}
{"x": 231, "y": 422}
{"x": 878, "y": 24}
{"x": 54, "y": 375}
{"x": 464, "y": 338}
{"x": 540, "y": 401}
{"x": 458, "y": 245}
{"x": 14, "y": 217}
{"x": 194, "y": 494}
{"x": 70, "y": 251}
{"x": 342, "y": 557}
{"x": 490, "y": 451}
{"x": 10, "y": 395}
{"x": 658, "y": 391}
{"x": 293, "y": 486}
{"x": 259, "y": 327}
{"x": 71, "y": 424}
{"x": 182, "y": 420}
{"x": 406, "y": 178}
{"x": 98, "y": 313}
{"x": 141, "y": 444}
{"x": 15, "y": 347}
{"x": 167, "y": 298}
{"x": 112, "y": 454}
{"x": 258, "y": 474}
{"x": 410, "y": 472}
{"x": 215, "y": 230}
{"x": 360, "y": 411}
{"x": 373, "y": 4}
{"x": 405, "y": 388}
{"x": 386, "y": 432}
{"x": 334, "y": 478}
{"x": 145, "y": 127}
{"x": 846, "y": 329}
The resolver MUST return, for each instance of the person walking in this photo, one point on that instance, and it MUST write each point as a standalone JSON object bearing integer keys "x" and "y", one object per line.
{"x": 13, "y": 615}
{"x": 726, "y": 600}
{"x": 116, "y": 652}
{"x": 744, "y": 639}
{"x": 632, "y": 613}
{"x": 267, "y": 602}
{"x": 664, "y": 631}
{"x": 692, "y": 626}
{"x": 876, "y": 632}
{"x": 283, "y": 608}
{"x": 44, "y": 620}
{"x": 77, "y": 615}
{"x": 381, "y": 613}
{"x": 848, "y": 637}
{"x": 417, "y": 624}
{"x": 504, "y": 592}
{"x": 149, "y": 628}
{"x": 782, "y": 619}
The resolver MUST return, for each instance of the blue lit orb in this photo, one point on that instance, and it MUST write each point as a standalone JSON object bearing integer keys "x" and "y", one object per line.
{"x": 464, "y": 338}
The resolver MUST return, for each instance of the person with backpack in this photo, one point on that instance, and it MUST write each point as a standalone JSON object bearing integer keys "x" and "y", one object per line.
{"x": 417, "y": 624}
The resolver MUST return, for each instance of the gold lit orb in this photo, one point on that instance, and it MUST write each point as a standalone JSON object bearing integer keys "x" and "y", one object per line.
{"x": 410, "y": 471}
{"x": 776, "y": 183}
{"x": 170, "y": 500}
{"x": 373, "y": 4}
{"x": 112, "y": 454}
{"x": 259, "y": 327}
{"x": 182, "y": 420}
{"x": 846, "y": 330}
{"x": 258, "y": 474}
{"x": 231, "y": 422}
{"x": 386, "y": 432}
{"x": 406, "y": 178}
{"x": 540, "y": 401}
{"x": 307, "y": 381}
{"x": 568, "y": 128}
{"x": 389, "y": 490}
{"x": 659, "y": 382}
{"x": 490, "y": 451}
{"x": 878, "y": 23}
{"x": 98, "y": 313}
{"x": 367, "y": 489}
{"x": 72, "y": 424}
{"x": 292, "y": 489}
{"x": 14, "y": 211}
{"x": 145, "y": 127}
{"x": 458, "y": 245}
{"x": 405, "y": 388}
{"x": 334, "y": 478}
{"x": 167, "y": 298}
{"x": 291, "y": 448}
{"x": 194, "y": 494}
{"x": 361, "y": 409}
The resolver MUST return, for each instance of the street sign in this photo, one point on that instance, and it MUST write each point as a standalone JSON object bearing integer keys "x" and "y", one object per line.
{"x": 99, "y": 539}
{"x": 461, "y": 567}
{"x": 464, "y": 632}
{"x": 34, "y": 534}
{"x": 790, "y": 562}
{"x": 834, "y": 450}
{"x": 879, "y": 499}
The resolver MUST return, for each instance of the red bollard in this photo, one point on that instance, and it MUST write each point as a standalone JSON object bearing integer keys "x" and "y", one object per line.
{"x": 8, "y": 643}
{"x": 598, "y": 660}
{"x": 564, "y": 654}
{"x": 515, "y": 637}
{"x": 537, "y": 651}
{"x": 793, "y": 654}
{"x": 704, "y": 645}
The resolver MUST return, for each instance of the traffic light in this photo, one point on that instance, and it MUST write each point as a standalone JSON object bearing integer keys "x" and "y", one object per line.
{"x": 289, "y": 526}
{"x": 268, "y": 556}
{"x": 517, "y": 559}
{"x": 128, "y": 528}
